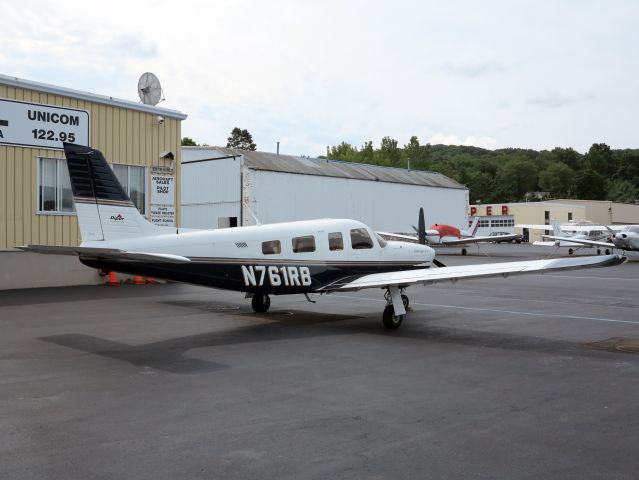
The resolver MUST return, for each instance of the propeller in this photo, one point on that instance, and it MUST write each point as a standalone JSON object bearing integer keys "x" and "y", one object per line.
{"x": 421, "y": 228}
{"x": 421, "y": 234}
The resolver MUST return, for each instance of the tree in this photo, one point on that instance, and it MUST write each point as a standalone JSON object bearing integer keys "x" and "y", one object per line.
{"x": 589, "y": 185}
{"x": 622, "y": 191}
{"x": 241, "y": 139}
{"x": 390, "y": 152}
{"x": 599, "y": 159}
{"x": 517, "y": 177}
{"x": 344, "y": 151}
{"x": 557, "y": 179}
{"x": 188, "y": 142}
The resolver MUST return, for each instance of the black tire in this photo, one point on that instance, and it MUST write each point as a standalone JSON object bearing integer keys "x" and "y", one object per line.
{"x": 464, "y": 251}
{"x": 570, "y": 251}
{"x": 391, "y": 321}
{"x": 607, "y": 252}
{"x": 406, "y": 301}
{"x": 260, "y": 303}
{"x": 599, "y": 251}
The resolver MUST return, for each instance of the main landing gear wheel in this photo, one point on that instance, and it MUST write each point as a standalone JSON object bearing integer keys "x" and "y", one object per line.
{"x": 599, "y": 251}
{"x": 260, "y": 303}
{"x": 464, "y": 251}
{"x": 570, "y": 251}
{"x": 607, "y": 252}
{"x": 391, "y": 321}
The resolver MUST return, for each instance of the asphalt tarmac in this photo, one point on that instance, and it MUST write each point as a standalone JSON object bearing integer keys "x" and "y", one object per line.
{"x": 522, "y": 378}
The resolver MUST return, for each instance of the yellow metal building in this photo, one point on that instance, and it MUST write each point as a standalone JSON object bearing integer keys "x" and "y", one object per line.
{"x": 141, "y": 142}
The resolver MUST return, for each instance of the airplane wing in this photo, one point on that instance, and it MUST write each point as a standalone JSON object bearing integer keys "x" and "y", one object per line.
{"x": 397, "y": 236}
{"x": 580, "y": 241}
{"x": 110, "y": 253}
{"x": 494, "y": 238}
{"x": 427, "y": 276}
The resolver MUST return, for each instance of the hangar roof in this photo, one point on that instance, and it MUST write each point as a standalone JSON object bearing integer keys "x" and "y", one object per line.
{"x": 328, "y": 168}
{"x": 89, "y": 97}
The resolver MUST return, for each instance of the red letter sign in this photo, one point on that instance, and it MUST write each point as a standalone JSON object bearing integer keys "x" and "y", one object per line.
{"x": 489, "y": 210}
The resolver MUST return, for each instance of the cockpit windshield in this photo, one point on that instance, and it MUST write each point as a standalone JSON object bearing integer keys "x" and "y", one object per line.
{"x": 380, "y": 240}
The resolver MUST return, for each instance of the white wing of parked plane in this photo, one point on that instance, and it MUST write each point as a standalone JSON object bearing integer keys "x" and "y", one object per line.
{"x": 582, "y": 241}
{"x": 108, "y": 253}
{"x": 433, "y": 275}
{"x": 445, "y": 241}
{"x": 494, "y": 238}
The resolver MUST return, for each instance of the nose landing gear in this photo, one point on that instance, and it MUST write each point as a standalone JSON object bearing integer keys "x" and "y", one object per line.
{"x": 397, "y": 303}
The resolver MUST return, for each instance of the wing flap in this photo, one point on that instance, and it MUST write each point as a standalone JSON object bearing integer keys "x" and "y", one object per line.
{"x": 428, "y": 276}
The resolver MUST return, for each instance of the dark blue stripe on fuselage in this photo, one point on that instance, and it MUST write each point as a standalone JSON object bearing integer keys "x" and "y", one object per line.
{"x": 230, "y": 277}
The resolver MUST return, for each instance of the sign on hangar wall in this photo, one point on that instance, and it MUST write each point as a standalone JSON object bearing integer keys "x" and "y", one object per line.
{"x": 42, "y": 126}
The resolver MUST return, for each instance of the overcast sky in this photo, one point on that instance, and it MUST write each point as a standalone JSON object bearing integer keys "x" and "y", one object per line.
{"x": 531, "y": 74}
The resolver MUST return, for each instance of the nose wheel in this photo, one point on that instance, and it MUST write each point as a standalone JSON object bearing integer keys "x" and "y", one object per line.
{"x": 260, "y": 303}
{"x": 391, "y": 321}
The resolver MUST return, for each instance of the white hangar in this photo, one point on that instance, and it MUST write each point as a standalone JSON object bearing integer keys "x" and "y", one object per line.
{"x": 218, "y": 184}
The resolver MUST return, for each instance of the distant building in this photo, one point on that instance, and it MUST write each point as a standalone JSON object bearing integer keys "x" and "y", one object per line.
{"x": 222, "y": 186}
{"x": 504, "y": 216}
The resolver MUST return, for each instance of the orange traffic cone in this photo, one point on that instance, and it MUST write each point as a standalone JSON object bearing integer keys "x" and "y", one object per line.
{"x": 113, "y": 279}
{"x": 138, "y": 280}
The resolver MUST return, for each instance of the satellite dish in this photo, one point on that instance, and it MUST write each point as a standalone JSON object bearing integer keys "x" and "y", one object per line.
{"x": 149, "y": 89}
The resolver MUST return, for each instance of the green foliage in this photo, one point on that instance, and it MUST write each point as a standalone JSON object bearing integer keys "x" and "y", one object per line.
{"x": 507, "y": 174}
{"x": 590, "y": 185}
{"x": 240, "y": 139}
{"x": 517, "y": 177}
{"x": 188, "y": 142}
{"x": 623, "y": 191}
{"x": 557, "y": 178}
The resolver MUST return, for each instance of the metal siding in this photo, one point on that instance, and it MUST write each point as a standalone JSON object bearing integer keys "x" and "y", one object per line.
{"x": 125, "y": 136}
{"x": 384, "y": 206}
{"x": 210, "y": 190}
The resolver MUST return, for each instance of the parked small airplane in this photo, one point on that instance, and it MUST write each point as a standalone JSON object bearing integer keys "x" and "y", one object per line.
{"x": 441, "y": 234}
{"x": 574, "y": 236}
{"x": 304, "y": 257}
{"x": 626, "y": 240}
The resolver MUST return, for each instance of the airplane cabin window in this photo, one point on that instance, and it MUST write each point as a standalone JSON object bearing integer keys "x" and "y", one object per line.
{"x": 360, "y": 239}
{"x": 335, "y": 241}
{"x": 304, "y": 244}
{"x": 271, "y": 247}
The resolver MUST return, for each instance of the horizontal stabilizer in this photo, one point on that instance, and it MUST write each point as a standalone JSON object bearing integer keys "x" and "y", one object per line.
{"x": 109, "y": 253}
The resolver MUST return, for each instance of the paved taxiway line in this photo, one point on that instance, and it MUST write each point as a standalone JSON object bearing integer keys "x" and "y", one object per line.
{"x": 494, "y": 310}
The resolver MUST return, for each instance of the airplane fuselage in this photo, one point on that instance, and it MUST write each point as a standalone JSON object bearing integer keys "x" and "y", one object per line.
{"x": 287, "y": 258}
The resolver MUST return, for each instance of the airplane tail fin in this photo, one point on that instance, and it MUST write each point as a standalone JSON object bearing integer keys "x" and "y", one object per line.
{"x": 105, "y": 211}
{"x": 474, "y": 226}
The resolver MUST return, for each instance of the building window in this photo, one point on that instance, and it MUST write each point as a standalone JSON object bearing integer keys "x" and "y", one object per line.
{"x": 54, "y": 186}
{"x": 133, "y": 181}
{"x": 546, "y": 217}
{"x": 570, "y": 216}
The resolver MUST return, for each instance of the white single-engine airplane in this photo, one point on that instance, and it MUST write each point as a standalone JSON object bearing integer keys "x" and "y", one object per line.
{"x": 575, "y": 236}
{"x": 305, "y": 257}
{"x": 626, "y": 239}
